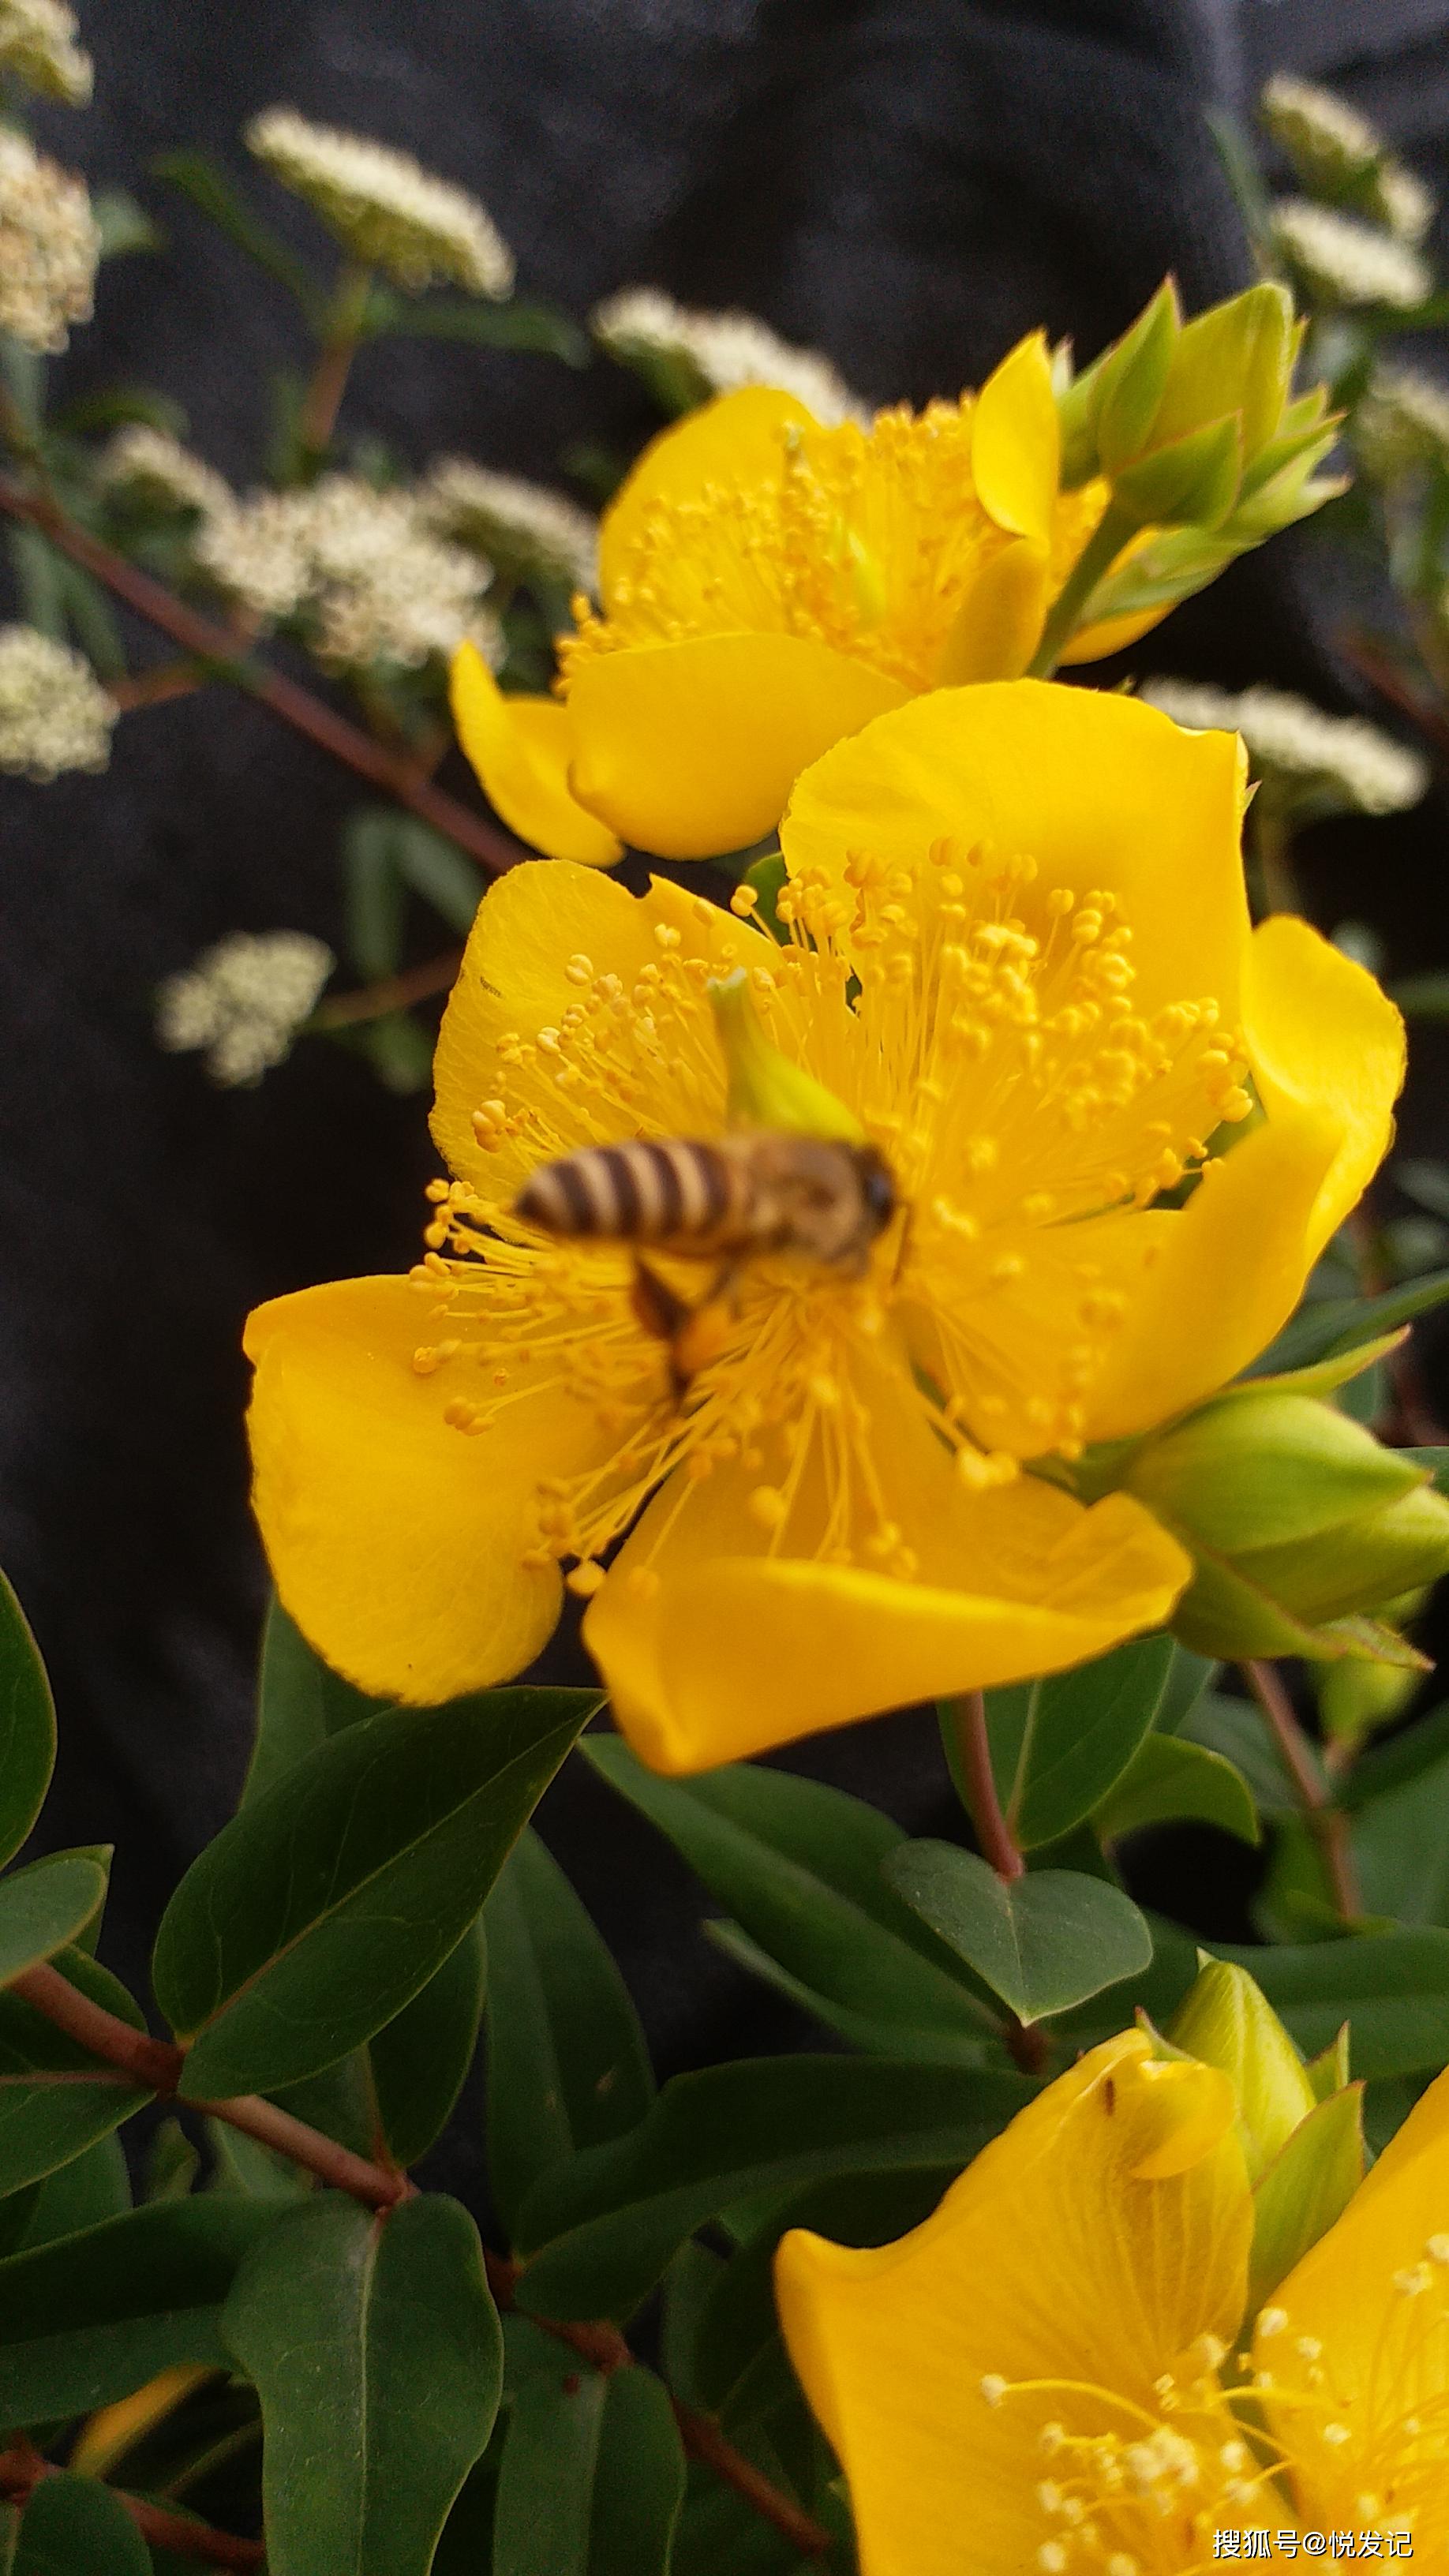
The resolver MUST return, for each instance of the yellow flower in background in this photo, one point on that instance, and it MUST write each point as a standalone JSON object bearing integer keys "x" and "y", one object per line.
{"x": 1020, "y": 960}
{"x": 770, "y": 585}
{"x": 1057, "y": 2371}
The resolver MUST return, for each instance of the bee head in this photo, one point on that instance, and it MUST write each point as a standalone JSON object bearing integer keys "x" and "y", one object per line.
{"x": 877, "y": 1188}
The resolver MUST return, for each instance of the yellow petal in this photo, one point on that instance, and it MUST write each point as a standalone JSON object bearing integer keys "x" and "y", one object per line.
{"x": 521, "y": 749}
{"x": 1111, "y": 635}
{"x": 735, "y": 443}
{"x": 395, "y": 1541}
{"x": 1373, "y": 2296}
{"x": 1000, "y": 618}
{"x": 1209, "y": 1286}
{"x": 1016, "y": 442}
{"x": 533, "y": 928}
{"x": 1101, "y": 791}
{"x": 1093, "y": 2242}
{"x": 1323, "y": 1035}
{"x": 716, "y": 1644}
{"x": 691, "y": 749}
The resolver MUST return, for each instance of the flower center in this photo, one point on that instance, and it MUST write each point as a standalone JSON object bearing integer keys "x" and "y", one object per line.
{"x": 984, "y": 1035}
{"x": 1135, "y": 2491}
{"x": 1370, "y": 2446}
{"x": 867, "y": 541}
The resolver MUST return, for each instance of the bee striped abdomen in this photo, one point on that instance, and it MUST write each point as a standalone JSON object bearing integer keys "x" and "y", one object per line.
{"x": 672, "y": 1191}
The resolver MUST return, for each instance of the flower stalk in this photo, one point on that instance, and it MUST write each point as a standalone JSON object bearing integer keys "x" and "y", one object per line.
{"x": 1113, "y": 531}
{"x": 1326, "y": 1820}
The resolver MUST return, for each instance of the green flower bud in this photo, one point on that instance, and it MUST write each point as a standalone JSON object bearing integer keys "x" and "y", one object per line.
{"x": 765, "y": 1088}
{"x": 1297, "y": 1519}
{"x": 1193, "y": 482}
{"x": 1228, "y": 2022}
{"x": 1128, "y": 388}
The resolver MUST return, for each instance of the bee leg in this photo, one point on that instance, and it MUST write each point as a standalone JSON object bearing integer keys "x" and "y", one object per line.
{"x": 706, "y": 1327}
{"x": 657, "y": 1310}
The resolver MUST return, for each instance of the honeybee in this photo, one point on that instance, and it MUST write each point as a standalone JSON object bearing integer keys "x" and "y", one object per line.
{"x": 816, "y": 1197}
{"x": 813, "y": 1196}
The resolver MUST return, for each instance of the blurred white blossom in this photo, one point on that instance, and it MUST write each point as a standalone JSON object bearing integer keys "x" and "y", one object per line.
{"x": 375, "y": 584}
{"x": 383, "y": 206}
{"x": 521, "y": 527}
{"x": 1305, "y": 757}
{"x": 1342, "y": 261}
{"x": 54, "y": 714}
{"x": 38, "y": 44}
{"x": 1336, "y": 153}
{"x": 156, "y": 467}
{"x": 243, "y": 1002}
{"x": 723, "y": 350}
{"x": 1400, "y": 421}
{"x": 49, "y": 247}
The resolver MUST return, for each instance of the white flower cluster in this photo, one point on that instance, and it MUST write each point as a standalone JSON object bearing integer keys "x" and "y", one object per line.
{"x": 1341, "y": 261}
{"x": 372, "y": 580}
{"x": 383, "y": 206}
{"x": 243, "y": 1002}
{"x": 38, "y": 44}
{"x": 722, "y": 350}
{"x": 54, "y": 714}
{"x": 156, "y": 467}
{"x": 49, "y": 247}
{"x": 519, "y": 526}
{"x": 1337, "y": 154}
{"x": 1401, "y": 421}
{"x": 1328, "y": 763}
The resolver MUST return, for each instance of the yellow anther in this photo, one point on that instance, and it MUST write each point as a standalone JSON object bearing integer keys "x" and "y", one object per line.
{"x": 768, "y": 1506}
{"x": 585, "y": 1579}
{"x": 744, "y": 900}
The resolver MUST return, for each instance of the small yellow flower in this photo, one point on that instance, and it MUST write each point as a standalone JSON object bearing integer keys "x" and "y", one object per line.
{"x": 1020, "y": 960}
{"x": 1051, "y": 2363}
{"x": 768, "y": 586}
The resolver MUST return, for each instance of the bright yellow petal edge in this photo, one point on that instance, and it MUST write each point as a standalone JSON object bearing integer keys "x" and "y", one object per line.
{"x": 1049, "y": 2359}
{"x": 521, "y": 749}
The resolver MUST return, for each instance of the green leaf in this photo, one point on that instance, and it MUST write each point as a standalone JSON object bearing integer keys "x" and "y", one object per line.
{"x": 91, "y": 2317}
{"x": 1172, "y": 1780}
{"x": 599, "y": 2232}
{"x": 198, "y": 177}
{"x": 1329, "y": 1325}
{"x": 639, "y": 2479}
{"x": 514, "y": 325}
{"x": 420, "y": 2060}
{"x": 1058, "y": 1745}
{"x": 375, "y": 900}
{"x": 95, "y": 2186}
{"x": 437, "y": 870}
{"x": 567, "y": 2063}
{"x": 800, "y": 1867}
{"x": 124, "y": 227}
{"x": 1042, "y": 1942}
{"x": 376, "y": 2352}
{"x": 1234, "y": 1728}
{"x": 1435, "y": 1463}
{"x": 1306, "y": 2188}
{"x": 300, "y": 1702}
{"x": 333, "y": 1896}
{"x": 592, "y": 2476}
{"x": 45, "y": 1906}
{"x": 75, "y": 2527}
{"x": 1189, "y": 1675}
{"x": 1422, "y": 997}
{"x": 27, "y": 1726}
{"x": 1392, "y": 1988}
{"x": 874, "y": 2034}
{"x": 55, "y": 2100}
{"x": 1401, "y": 1848}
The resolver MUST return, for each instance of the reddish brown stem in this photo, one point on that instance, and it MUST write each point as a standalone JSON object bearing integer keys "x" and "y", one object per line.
{"x": 973, "y": 1747}
{"x": 602, "y": 2345}
{"x": 1328, "y": 1822}
{"x": 22, "y": 2468}
{"x": 394, "y": 773}
{"x": 394, "y": 993}
{"x": 160, "y": 2064}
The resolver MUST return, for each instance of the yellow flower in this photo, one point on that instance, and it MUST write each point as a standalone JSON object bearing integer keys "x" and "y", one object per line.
{"x": 1021, "y": 960}
{"x": 1051, "y": 2371}
{"x": 770, "y": 585}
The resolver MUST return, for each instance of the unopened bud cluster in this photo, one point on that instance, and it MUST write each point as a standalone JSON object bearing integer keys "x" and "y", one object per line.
{"x": 520, "y": 527}
{"x": 383, "y": 207}
{"x": 686, "y": 356}
{"x": 360, "y": 567}
{"x": 49, "y": 247}
{"x": 1337, "y": 260}
{"x": 38, "y": 45}
{"x": 243, "y": 1002}
{"x": 1338, "y": 156}
{"x": 151, "y": 466}
{"x": 54, "y": 714}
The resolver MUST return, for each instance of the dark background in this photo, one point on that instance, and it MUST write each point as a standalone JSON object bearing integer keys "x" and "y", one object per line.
{"x": 907, "y": 187}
